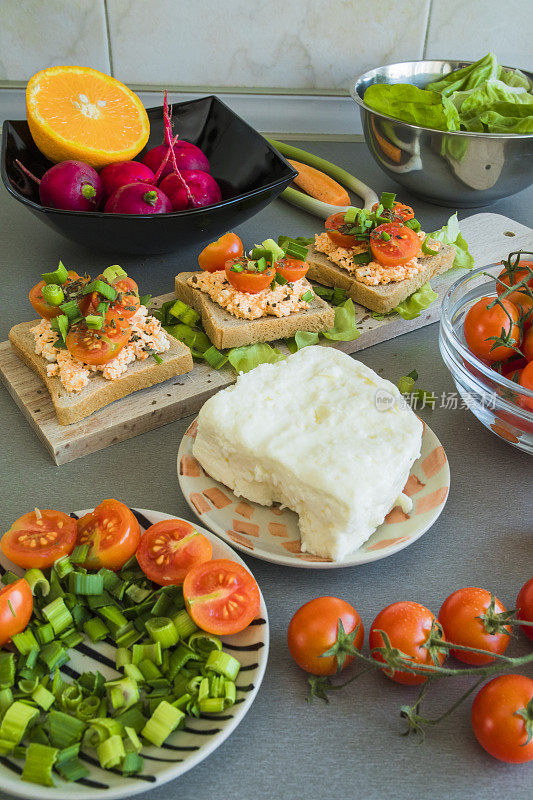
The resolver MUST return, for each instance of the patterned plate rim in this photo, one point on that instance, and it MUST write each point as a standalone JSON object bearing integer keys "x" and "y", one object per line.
{"x": 135, "y": 785}
{"x": 358, "y": 558}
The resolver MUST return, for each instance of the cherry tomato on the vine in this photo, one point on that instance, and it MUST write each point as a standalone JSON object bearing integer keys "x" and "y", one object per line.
{"x": 483, "y": 323}
{"x": 460, "y": 618}
{"x": 499, "y": 714}
{"x": 524, "y": 607}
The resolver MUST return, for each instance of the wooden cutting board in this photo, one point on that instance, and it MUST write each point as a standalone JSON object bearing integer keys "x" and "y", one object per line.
{"x": 490, "y": 237}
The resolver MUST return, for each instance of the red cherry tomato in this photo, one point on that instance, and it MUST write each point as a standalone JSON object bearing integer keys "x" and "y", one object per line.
{"x": 292, "y": 269}
{"x": 39, "y": 538}
{"x": 527, "y": 345}
{"x": 213, "y": 257}
{"x": 504, "y": 278}
{"x": 336, "y": 229}
{"x": 169, "y": 549}
{"x": 400, "y": 244}
{"x": 496, "y": 718}
{"x": 313, "y": 630}
{"x": 524, "y": 607}
{"x": 459, "y": 617}
{"x": 398, "y": 213}
{"x": 73, "y": 283}
{"x": 221, "y": 596}
{"x": 127, "y": 301}
{"x": 249, "y": 281}
{"x": 407, "y": 624}
{"x": 481, "y": 323}
{"x": 16, "y": 606}
{"x": 112, "y": 533}
{"x": 526, "y": 380}
{"x": 524, "y": 304}
{"x": 98, "y": 347}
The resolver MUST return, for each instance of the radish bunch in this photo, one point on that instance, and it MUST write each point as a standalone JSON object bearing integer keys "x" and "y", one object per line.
{"x": 172, "y": 176}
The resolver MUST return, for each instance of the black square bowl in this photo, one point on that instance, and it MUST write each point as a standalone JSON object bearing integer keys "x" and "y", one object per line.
{"x": 250, "y": 172}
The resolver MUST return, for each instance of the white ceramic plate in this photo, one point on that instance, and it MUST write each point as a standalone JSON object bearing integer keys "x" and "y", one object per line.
{"x": 183, "y": 749}
{"x": 272, "y": 534}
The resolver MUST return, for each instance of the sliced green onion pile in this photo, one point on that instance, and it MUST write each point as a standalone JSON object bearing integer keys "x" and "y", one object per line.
{"x": 166, "y": 670}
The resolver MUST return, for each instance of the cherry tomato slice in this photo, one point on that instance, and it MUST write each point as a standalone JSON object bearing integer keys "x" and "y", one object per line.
{"x": 97, "y": 347}
{"x": 112, "y": 533}
{"x": 407, "y": 625}
{"x": 213, "y": 257}
{"x": 16, "y": 607}
{"x": 127, "y": 302}
{"x": 74, "y": 282}
{"x": 398, "y": 213}
{"x": 39, "y": 538}
{"x": 248, "y": 281}
{"x": 481, "y": 323}
{"x": 400, "y": 244}
{"x": 497, "y": 722}
{"x": 221, "y": 596}
{"x": 335, "y": 225}
{"x": 169, "y": 549}
{"x": 292, "y": 269}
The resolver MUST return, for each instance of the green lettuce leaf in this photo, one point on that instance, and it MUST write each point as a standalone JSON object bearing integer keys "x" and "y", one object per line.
{"x": 411, "y": 104}
{"x": 467, "y": 77}
{"x": 196, "y": 340}
{"x": 344, "y": 328}
{"x": 513, "y": 77}
{"x": 416, "y": 302}
{"x": 301, "y": 339}
{"x": 246, "y": 358}
{"x": 451, "y": 234}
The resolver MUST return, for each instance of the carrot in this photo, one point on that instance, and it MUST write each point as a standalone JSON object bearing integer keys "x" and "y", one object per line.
{"x": 319, "y": 185}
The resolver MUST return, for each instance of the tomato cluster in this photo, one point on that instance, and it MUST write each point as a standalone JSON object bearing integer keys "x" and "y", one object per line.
{"x": 499, "y": 330}
{"x": 325, "y": 635}
{"x": 221, "y": 596}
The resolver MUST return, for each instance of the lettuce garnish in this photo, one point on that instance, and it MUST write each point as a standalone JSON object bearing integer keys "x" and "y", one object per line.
{"x": 451, "y": 234}
{"x": 246, "y": 358}
{"x": 483, "y": 97}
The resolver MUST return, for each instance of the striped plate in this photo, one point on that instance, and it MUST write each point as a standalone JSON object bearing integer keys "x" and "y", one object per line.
{"x": 272, "y": 533}
{"x": 183, "y": 749}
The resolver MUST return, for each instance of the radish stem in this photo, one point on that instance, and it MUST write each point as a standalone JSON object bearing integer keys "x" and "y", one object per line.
{"x": 26, "y": 172}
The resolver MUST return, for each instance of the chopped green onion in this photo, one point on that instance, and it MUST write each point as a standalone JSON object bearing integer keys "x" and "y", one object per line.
{"x": 88, "y": 708}
{"x": 280, "y": 279}
{"x": 157, "y": 358}
{"x": 132, "y": 718}
{"x": 132, "y": 671}
{"x": 185, "y": 313}
{"x": 59, "y": 275}
{"x": 16, "y": 720}
{"x": 308, "y": 296}
{"x": 79, "y": 554}
{"x": 113, "y": 617}
{"x": 58, "y": 615}
{"x": 128, "y": 636}
{"x": 413, "y": 224}
{"x": 237, "y": 268}
{"x": 84, "y": 584}
{"x": 114, "y": 272}
{"x": 122, "y": 693}
{"x": 64, "y": 729}
{"x": 148, "y": 670}
{"x": 294, "y": 250}
{"x": 9, "y": 577}
{"x": 362, "y": 258}
{"x": 215, "y": 358}
{"x": 94, "y": 322}
{"x": 387, "y": 199}
{"x": 111, "y": 752}
{"x": 184, "y": 624}
{"x": 68, "y": 764}
{"x": 132, "y": 764}
{"x": 100, "y": 729}
{"x": 6, "y": 699}
{"x": 145, "y": 299}
{"x": 351, "y": 214}
{"x": 273, "y": 247}
{"x": 223, "y": 664}
{"x": 385, "y": 236}
{"x": 45, "y": 633}
{"x": 71, "y": 638}
{"x": 37, "y": 582}
{"x": 162, "y": 630}
{"x": 95, "y": 629}
{"x": 53, "y": 294}
{"x": 102, "y": 288}
{"x": 137, "y": 593}
{"x": 203, "y": 643}
{"x": 427, "y": 249}
{"x": 38, "y": 765}
{"x": 406, "y": 384}
{"x": 25, "y": 641}
{"x": 132, "y": 743}
{"x": 53, "y": 655}
{"x": 60, "y": 325}
{"x": 72, "y": 310}
{"x": 230, "y": 693}
{"x": 163, "y": 721}
{"x": 152, "y": 652}
{"x": 211, "y": 705}
{"x": 43, "y": 697}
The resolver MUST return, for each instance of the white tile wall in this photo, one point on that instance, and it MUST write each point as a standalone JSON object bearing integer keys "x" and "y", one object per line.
{"x": 300, "y": 45}
{"x": 468, "y": 29}
{"x": 310, "y": 44}
{"x": 36, "y": 34}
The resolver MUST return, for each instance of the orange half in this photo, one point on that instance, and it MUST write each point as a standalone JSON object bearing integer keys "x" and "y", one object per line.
{"x": 83, "y": 114}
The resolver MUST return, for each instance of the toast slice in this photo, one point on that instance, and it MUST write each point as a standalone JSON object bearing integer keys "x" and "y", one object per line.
{"x": 225, "y": 330}
{"x": 99, "y": 392}
{"x": 381, "y": 298}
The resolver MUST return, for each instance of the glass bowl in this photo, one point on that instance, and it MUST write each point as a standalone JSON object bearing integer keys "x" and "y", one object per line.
{"x": 499, "y": 404}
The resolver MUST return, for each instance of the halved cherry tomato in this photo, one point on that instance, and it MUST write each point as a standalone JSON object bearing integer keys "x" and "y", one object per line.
{"x": 98, "y": 347}
{"x": 524, "y": 607}
{"x": 398, "y": 213}
{"x": 112, "y": 533}
{"x": 73, "y": 283}
{"x": 526, "y": 380}
{"x": 16, "y": 606}
{"x": 400, "y": 244}
{"x": 248, "y": 281}
{"x": 292, "y": 269}
{"x": 314, "y": 629}
{"x": 499, "y": 714}
{"x": 221, "y": 596}
{"x": 408, "y": 625}
{"x": 482, "y": 322}
{"x": 213, "y": 257}
{"x": 39, "y": 538}
{"x": 460, "y": 619}
{"x": 127, "y": 302}
{"x": 169, "y": 549}
{"x": 336, "y": 229}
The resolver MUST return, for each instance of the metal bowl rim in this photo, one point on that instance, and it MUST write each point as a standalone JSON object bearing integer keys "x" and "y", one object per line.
{"x": 355, "y": 96}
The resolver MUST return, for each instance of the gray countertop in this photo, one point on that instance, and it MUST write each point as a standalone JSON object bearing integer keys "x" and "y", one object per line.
{"x": 286, "y": 747}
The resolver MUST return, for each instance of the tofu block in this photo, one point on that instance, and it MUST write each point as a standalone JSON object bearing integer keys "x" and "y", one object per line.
{"x": 320, "y": 433}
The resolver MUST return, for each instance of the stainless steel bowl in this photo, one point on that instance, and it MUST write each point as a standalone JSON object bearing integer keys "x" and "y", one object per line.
{"x": 454, "y": 168}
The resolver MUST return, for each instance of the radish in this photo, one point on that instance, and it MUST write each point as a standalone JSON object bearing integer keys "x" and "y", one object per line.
{"x": 69, "y": 185}
{"x": 138, "y": 198}
{"x": 113, "y": 176}
{"x": 188, "y": 156}
{"x": 203, "y": 187}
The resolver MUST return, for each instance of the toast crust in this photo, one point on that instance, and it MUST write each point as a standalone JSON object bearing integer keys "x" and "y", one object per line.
{"x": 99, "y": 392}
{"x": 382, "y": 298}
{"x": 225, "y": 330}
